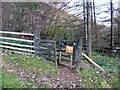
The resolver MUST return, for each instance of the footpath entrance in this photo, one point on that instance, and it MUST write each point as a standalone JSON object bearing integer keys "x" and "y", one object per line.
{"x": 68, "y": 52}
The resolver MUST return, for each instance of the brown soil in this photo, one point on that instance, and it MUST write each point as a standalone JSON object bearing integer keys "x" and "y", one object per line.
{"x": 67, "y": 77}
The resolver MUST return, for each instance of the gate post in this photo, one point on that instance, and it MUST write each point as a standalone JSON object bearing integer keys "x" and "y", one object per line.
{"x": 55, "y": 51}
{"x": 74, "y": 52}
{"x": 36, "y": 43}
{"x": 79, "y": 52}
{"x": 59, "y": 47}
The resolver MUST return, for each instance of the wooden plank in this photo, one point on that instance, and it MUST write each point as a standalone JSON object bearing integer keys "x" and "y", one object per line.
{"x": 47, "y": 53}
{"x": 59, "y": 52}
{"x": 71, "y": 59}
{"x": 42, "y": 48}
{"x": 65, "y": 64}
{"x": 65, "y": 60}
{"x": 9, "y": 38}
{"x": 47, "y": 57}
{"x": 14, "y": 44}
{"x": 92, "y": 61}
{"x": 55, "y": 52}
{"x": 47, "y": 48}
{"x": 36, "y": 42}
{"x": 62, "y": 58}
{"x": 50, "y": 59}
{"x": 17, "y": 33}
{"x": 20, "y": 52}
{"x": 47, "y": 45}
{"x": 66, "y": 40}
{"x": 47, "y": 41}
{"x": 63, "y": 50}
{"x": 66, "y": 56}
{"x": 65, "y": 53}
{"x": 15, "y": 48}
{"x": 117, "y": 47}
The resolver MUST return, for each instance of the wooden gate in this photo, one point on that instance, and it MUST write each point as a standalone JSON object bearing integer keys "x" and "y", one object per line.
{"x": 67, "y": 50}
{"x": 45, "y": 48}
{"x": 70, "y": 52}
{"x": 67, "y": 53}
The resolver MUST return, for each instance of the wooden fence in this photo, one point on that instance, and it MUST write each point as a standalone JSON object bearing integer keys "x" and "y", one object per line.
{"x": 42, "y": 48}
{"x": 16, "y": 44}
{"x": 47, "y": 50}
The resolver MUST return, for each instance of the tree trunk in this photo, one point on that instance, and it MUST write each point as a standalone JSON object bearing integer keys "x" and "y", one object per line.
{"x": 112, "y": 32}
{"x": 95, "y": 25}
{"x": 89, "y": 40}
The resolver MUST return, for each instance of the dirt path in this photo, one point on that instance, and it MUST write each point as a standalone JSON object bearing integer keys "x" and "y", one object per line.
{"x": 67, "y": 77}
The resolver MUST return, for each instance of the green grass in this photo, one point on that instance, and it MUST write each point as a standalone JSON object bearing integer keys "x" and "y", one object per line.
{"x": 41, "y": 67}
{"x": 109, "y": 64}
{"x": 12, "y": 80}
{"x": 92, "y": 79}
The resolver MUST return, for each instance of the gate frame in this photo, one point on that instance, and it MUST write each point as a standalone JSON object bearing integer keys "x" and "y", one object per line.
{"x": 77, "y": 52}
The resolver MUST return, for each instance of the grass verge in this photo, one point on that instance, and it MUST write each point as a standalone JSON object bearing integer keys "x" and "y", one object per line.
{"x": 12, "y": 80}
{"x": 93, "y": 78}
{"x": 39, "y": 66}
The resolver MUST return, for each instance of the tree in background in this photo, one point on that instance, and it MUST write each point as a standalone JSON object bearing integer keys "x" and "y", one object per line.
{"x": 117, "y": 28}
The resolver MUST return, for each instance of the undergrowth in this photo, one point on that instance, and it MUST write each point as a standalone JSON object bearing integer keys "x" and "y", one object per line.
{"x": 93, "y": 78}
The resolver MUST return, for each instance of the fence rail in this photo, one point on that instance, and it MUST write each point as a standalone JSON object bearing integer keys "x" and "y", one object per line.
{"x": 9, "y": 38}
{"x": 47, "y": 50}
{"x": 15, "y": 48}
{"x": 17, "y": 33}
{"x": 15, "y": 43}
{"x": 43, "y": 48}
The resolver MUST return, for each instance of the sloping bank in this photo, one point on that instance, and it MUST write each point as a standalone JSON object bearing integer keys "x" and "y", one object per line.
{"x": 26, "y": 72}
{"x": 94, "y": 78}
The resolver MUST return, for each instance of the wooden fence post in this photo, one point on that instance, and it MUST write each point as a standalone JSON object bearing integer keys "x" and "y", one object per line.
{"x": 36, "y": 43}
{"x": 79, "y": 53}
{"x": 55, "y": 51}
{"x": 59, "y": 51}
{"x": 74, "y": 52}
